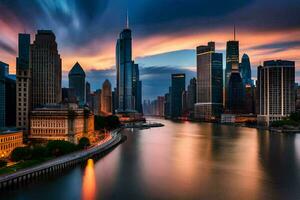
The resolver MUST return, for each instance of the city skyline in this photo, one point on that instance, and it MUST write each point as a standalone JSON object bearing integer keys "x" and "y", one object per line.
{"x": 157, "y": 40}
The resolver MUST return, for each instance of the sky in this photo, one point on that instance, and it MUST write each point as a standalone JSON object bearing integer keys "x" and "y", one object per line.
{"x": 165, "y": 33}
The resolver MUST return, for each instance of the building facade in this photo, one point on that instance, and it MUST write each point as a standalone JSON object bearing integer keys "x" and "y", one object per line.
{"x": 3, "y": 72}
{"x": 9, "y": 140}
{"x": 61, "y": 122}
{"x": 245, "y": 70}
{"x": 77, "y": 82}
{"x": 125, "y": 65}
{"x": 232, "y": 58}
{"x": 209, "y": 104}
{"x": 106, "y": 98}
{"x": 178, "y": 86}
{"x": 276, "y": 90}
{"x": 45, "y": 63}
{"x": 191, "y": 96}
{"x": 23, "y": 84}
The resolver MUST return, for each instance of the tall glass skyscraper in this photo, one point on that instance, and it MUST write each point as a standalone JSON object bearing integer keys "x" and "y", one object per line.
{"x": 245, "y": 70}
{"x": 3, "y": 72}
{"x": 77, "y": 82}
{"x": 178, "y": 86}
{"x": 124, "y": 65}
{"x": 209, "y": 104}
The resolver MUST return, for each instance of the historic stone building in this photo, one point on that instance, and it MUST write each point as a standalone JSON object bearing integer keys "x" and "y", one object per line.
{"x": 9, "y": 140}
{"x": 61, "y": 122}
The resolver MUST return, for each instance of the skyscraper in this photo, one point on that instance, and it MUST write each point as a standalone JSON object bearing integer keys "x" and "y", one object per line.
{"x": 7, "y": 97}
{"x": 77, "y": 82}
{"x": 245, "y": 70}
{"x": 209, "y": 92}
{"x": 88, "y": 93}
{"x": 3, "y": 67}
{"x": 106, "y": 98}
{"x": 45, "y": 63}
{"x": 23, "y": 84}
{"x": 191, "y": 95}
{"x": 276, "y": 90}
{"x": 178, "y": 86}
{"x": 124, "y": 65}
{"x": 137, "y": 89}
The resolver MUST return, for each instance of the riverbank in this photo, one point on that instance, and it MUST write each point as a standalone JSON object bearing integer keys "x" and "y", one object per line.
{"x": 60, "y": 163}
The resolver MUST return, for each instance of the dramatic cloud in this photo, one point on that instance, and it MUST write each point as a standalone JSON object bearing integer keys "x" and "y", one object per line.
{"x": 165, "y": 32}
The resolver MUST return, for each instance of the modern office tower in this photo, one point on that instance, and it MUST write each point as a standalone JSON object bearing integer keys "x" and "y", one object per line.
{"x": 124, "y": 65}
{"x": 167, "y": 111}
{"x": 77, "y": 82}
{"x": 45, "y": 64}
{"x": 245, "y": 70}
{"x": 7, "y": 97}
{"x": 209, "y": 92}
{"x": 88, "y": 93}
{"x": 184, "y": 104}
{"x": 10, "y": 101}
{"x": 97, "y": 102}
{"x": 137, "y": 89}
{"x": 160, "y": 106}
{"x": 298, "y": 97}
{"x": 191, "y": 95}
{"x": 3, "y": 72}
{"x": 276, "y": 90}
{"x": 114, "y": 101}
{"x": 235, "y": 96}
{"x": 178, "y": 86}
{"x": 23, "y": 84}
{"x": 106, "y": 98}
{"x": 249, "y": 102}
{"x": 232, "y": 62}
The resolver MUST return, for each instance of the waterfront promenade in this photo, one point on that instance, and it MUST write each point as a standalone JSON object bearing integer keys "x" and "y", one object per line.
{"x": 60, "y": 163}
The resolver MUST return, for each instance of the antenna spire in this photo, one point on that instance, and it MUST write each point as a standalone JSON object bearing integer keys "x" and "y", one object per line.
{"x": 127, "y": 20}
{"x": 234, "y": 32}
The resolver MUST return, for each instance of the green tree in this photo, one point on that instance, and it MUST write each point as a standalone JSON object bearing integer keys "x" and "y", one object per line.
{"x": 59, "y": 147}
{"x": 83, "y": 143}
{"x": 3, "y": 163}
{"x": 20, "y": 153}
{"x": 38, "y": 152}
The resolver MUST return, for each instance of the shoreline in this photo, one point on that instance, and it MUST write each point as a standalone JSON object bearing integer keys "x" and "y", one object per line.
{"x": 60, "y": 163}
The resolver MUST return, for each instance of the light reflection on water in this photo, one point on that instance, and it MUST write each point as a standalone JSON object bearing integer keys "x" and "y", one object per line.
{"x": 89, "y": 182}
{"x": 185, "y": 161}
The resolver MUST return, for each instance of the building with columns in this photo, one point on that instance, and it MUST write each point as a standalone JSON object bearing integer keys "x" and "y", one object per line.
{"x": 61, "y": 122}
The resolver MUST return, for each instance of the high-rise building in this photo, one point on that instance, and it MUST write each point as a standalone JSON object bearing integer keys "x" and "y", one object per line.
{"x": 209, "y": 92}
{"x": 137, "y": 89}
{"x": 245, "y": 70}
{"x": 7, "y": 97}
{"x": 45, "y": 63}
{"x": 276, "y": 90}
{"x": 77, "y": 82}
{"x": 106, "y": 98}
{"x": 97, "y": 102}
{"x": 88, "y": 93}
{"x": 160, "y": 106}
{"x": 3, "y": 72}
{"x": 191, "y": 96}
{"x": 298, "y": 97}
{"x": 10, "y": 101}
{"x": 125, "y": 65}
{"x": 23, "y": 84}
{"x": 178, "y": 86}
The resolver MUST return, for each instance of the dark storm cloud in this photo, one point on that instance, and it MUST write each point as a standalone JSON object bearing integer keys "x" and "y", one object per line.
{"x": 7, "y": 48}
{"x": 279, "y": 45}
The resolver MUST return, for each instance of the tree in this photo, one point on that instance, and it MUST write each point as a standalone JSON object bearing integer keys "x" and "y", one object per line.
{"x": 60, "y": 147}
{"x": 3, "y": 163}
{"x": 83, "y": 143}
{"x": 20, "y": 153}
{"x": 38, "y": 152}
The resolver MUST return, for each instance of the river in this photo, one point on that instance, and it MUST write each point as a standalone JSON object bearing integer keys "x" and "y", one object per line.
{"x": 183, "y": 160}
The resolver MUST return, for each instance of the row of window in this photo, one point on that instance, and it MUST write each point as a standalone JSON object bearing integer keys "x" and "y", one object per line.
{"x": 47, "y": 131}
{"x": 10, "y": 138}
{"x": 10, "y": 146}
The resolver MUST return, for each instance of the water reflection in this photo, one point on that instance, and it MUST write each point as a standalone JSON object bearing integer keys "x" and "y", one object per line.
{"x": 89, "y": 182}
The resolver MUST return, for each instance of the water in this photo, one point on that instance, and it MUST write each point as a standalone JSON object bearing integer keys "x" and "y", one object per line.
{"x": 183, "y": 161}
